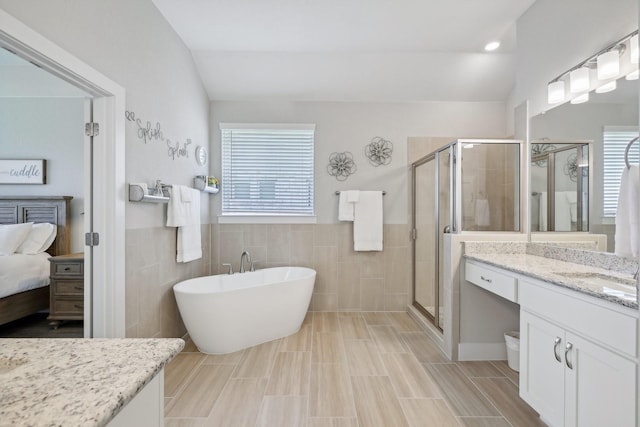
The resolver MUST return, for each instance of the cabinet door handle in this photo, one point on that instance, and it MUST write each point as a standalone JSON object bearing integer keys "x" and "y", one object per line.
{"x": 67, "y": 268}
{"x": 567, "y": 349}
{"x": 556, "y": 343}
{"x": 485, "y": 279}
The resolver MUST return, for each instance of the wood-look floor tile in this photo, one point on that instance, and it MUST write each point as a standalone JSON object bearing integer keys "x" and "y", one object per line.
{"x": 330, "y": 394}
{"x": 463, "y": 396}
{"x": 327, "y": 348}
{"x": 376, "y": 402}
{"x": 363, "y": 358}
{"x": 354, "y": 327}
{"x": 423, "y": 347}
{"x": 197, "y": 398}
{"x": 387, "y": 339}
{"x": 189, "y": 347}
{"x": 290, "y": 374}
{"x": 402, "y": 322}
{"x": 483, "y": 422}
{"x": 480, "y": 369}
{"x": 332, "y": 422}
{"x": 239, "y": 403}
{"x": 300, "y": 341}
{"x": 257, "y": 361}
{"x": 178, "y": 371}
{"x": 186, "y": 422}
{"x": 283, "y": 411}
{"x": 374, "y": 318}
{"x": 408, "y": 376}
{"x": 325, "y": 322}
{"x": 428, "y": 412}
{"x": 224, "y": 359}
{"x": 503, "y": 366}
{"x": 504, "y": 395}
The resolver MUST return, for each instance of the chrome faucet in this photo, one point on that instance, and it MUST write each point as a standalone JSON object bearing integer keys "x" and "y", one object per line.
{"x": 244, "y": 255}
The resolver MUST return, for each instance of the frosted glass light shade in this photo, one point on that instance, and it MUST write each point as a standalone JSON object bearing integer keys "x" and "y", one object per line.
{"x": 608, "y": 64}
{"x": 634, "y": 49}
{"x": 580, "y": 98}
{"x": 555, "y": 92}
{"x": 579, "y": 80}
{"x": 633, "y": 75}
{"x": 607, "y": 87}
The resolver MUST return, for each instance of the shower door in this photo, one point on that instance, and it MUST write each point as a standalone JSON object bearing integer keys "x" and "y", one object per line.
{"x": 431, "y": 213}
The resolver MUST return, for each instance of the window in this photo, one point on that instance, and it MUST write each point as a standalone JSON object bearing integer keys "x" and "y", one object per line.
{"x": 267, "y": 169}
{"x": 615, "y": 140}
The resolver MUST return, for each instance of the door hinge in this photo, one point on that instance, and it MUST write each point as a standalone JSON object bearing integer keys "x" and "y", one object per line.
{"x": 91, "y": 239}
{"x": 414, "y": 234}
{"x": 91, "y": 129}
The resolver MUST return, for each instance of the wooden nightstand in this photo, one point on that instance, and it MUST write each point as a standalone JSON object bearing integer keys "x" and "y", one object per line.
{"x": 67, "y": 288}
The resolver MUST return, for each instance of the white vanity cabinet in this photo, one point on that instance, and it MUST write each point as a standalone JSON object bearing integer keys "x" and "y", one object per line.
{"x": 576, "y": 368}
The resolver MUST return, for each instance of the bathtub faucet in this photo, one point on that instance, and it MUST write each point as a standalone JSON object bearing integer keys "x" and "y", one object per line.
{"x": 245, "y": 255}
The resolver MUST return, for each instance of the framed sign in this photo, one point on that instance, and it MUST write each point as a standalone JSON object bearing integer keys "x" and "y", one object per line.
{"x": 23, "y": 171}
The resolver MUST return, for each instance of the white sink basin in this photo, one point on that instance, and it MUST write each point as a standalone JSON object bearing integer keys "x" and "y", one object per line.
{"x": 620, "y": 287}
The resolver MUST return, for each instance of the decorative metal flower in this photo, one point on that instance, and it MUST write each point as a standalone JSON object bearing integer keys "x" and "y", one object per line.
{"x": 540, "y": 149}
{"x": 571, "y": 167}
{"x": 379, "y": 151}
{"x": 341, "y": 165}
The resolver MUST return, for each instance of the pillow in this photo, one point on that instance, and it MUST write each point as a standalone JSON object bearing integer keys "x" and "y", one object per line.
{"x": 39, "y": 239}
{"x": 12, "y": 236}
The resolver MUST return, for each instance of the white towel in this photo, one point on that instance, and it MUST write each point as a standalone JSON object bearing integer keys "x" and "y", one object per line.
{"x": 543, "y": 211}
{"x": 572, "y": 199}
{"x": 483, "y": 213}
{"x": 184, "y": 212}
{"x": 346, "y": 204}
{"x": 367, "y": 222}
{"x": 627, "y": 215}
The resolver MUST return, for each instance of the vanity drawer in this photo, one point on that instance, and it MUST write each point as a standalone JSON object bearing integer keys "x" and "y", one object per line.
{"x": 491, "y": 280}
{"x": 592, "y": 320}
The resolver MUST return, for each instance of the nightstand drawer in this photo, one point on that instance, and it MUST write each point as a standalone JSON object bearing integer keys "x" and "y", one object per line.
{"x": 67, "y": 307}
{"x": 67, "y": 269}
{"x": 67, "y": 287}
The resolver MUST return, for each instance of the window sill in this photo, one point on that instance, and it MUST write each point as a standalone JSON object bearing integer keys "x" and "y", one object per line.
{"x": 266, "y": 219}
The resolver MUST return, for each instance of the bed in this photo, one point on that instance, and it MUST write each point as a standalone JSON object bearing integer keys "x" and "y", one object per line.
{"x": 36, "y": 209}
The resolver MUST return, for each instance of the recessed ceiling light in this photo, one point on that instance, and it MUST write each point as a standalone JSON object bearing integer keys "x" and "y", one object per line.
{"x": 491, "y": 46}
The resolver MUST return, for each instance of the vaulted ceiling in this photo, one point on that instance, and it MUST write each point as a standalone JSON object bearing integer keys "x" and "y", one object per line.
{"x": 350, "y": 50}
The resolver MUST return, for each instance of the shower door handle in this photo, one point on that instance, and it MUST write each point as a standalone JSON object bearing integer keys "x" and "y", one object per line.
{"x": 447, "y": 229}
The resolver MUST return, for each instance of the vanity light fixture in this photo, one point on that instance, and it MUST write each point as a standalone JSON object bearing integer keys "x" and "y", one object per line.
{"x": 579, "y": 80}
{"x": 607, "y": 87}
{"x": 607, "y": 65}
{"x": 555, "y": 92}
{"x": 580, "y": 99}
{"x": 491, "y": 46}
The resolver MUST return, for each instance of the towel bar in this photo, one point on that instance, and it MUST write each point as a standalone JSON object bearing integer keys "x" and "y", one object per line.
{"x": 626, "y": 151}
{"x": 384, "y": 193}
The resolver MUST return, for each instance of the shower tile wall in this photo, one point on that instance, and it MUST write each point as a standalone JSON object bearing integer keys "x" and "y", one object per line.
{"x": 346, "y": 280}
{"x": 151, "y": 271}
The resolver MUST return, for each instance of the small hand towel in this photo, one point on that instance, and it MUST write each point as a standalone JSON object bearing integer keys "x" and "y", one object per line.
{"x": 183, "y": 212}
{"x": 627, "y": 227}
{"x": 542, "y": 212}
{"x": 367, "y": 223}
{"x": 572, "y": 199}
{"x": 562, "y": 215}
{"x": 346, "y": 204}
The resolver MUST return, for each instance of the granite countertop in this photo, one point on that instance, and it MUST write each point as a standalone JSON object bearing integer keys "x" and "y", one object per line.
{"x": 76, "y": 382}
{"x": 617, "y": 287}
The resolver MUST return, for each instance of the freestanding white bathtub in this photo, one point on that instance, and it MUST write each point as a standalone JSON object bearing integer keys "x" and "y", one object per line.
{"x": 226, "y": 313}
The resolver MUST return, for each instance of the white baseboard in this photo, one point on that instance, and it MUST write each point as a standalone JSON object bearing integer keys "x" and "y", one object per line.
{"x": 482, "y": 351}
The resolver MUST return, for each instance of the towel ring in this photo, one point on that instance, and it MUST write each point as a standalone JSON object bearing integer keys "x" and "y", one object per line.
{"x": 626, "y": 151}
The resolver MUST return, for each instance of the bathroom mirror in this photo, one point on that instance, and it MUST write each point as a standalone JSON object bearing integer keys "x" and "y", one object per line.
{"x": 580, "y": 125}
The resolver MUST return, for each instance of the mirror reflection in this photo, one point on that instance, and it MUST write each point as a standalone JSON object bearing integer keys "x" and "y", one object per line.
{"x": 600, "y": 128}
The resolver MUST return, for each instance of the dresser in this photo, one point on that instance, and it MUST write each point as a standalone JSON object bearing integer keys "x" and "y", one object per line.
{"x": 67, "y": 288}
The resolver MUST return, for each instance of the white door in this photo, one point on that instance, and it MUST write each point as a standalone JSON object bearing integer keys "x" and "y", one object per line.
{"x": 600, "y": 386}
{"x": 542, "y": 367}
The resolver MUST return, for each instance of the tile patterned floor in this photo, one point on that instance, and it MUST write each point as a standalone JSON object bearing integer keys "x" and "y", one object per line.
{"x": 343, "y": 370}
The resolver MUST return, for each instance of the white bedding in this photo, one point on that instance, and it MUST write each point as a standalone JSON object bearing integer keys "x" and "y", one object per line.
{"x": 19, "y": 273}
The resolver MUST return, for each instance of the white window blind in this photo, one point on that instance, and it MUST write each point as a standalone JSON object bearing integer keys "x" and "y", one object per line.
{"x": 267, "y": 169}
{"x": 615, "y": 140}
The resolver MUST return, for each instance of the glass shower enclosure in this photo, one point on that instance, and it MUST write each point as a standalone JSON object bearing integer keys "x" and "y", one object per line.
{"x": 470, "y": 185}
